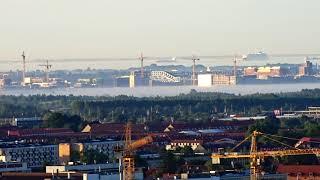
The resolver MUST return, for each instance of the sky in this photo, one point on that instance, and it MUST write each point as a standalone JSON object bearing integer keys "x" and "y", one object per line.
{"x": 123, "y": 28}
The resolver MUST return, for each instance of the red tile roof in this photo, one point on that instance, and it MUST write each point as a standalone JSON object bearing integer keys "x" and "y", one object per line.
{"x": 40, "y": 132}
{"x": 296, "y": 169}
{"x": 180, "y": 126}
{"x": 5, "y": 129}
{"x": 187, "y": 141}
{"x": 115, "y": 128}
{"x": 309, "y": 139}
{"x": 305, "y": 140}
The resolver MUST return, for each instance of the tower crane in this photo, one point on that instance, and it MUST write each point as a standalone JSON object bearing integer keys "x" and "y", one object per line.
{"x": 126, "y": 161}
{"x": 194, "y": 59}
{"x": 24, "y": 67}
{"x": 256, "y": 156}
{"x": 141, "y": 63}
{"x": 47, "y": 67}
{"x": 236, "y": 59}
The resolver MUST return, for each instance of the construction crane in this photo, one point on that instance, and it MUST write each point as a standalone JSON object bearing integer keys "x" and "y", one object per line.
{"x": 47, "y": 67}
{"x": 235, "y": 66}
{"x": 194, "y": 59}
{"x": 236, "y": 58}
{"x": 126, "y": 161}
{"x": 256, "y": 156}
{"x": 24, "y": 68}
{"x": 141, "y": 63}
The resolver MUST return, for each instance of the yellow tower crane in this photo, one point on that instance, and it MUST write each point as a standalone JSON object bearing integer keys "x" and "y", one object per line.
{"x": 256, "y": 156}
{"x": 127, "y": 165}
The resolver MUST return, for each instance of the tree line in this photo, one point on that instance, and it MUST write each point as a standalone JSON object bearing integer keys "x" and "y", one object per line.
{"x": 192, "y": 107}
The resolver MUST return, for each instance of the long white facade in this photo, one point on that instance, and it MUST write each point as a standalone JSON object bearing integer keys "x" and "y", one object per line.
{"x": 204, "y": 80}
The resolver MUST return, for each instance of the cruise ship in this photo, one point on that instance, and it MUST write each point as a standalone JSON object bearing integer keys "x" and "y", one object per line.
{"x": 255, "y": 56}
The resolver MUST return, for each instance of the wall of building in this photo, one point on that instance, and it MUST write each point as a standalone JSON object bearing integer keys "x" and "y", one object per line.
{"x": 14, "y": 167}
{"x": 33, "y": 155}
{"x": 122, "y": 81}
{"x": 106, "y": 147}
{"x": 64, "y": 153}
{"x": 306, "y": 69}
{"x": 250, "y": 71}
{"x": 204, "y": 80}
{"x": 220, "y": 79}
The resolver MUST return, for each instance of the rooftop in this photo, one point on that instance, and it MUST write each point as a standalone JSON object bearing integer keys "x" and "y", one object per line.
{"x": 112, "y": 128}
{"x": 40, "y": 132}
{"x": 302, "y": 169}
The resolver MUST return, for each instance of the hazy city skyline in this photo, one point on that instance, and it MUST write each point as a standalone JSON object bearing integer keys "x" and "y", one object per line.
{"x": 87, "y": 29}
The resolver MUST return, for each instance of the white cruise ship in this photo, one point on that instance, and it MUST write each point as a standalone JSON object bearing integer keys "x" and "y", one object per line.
{"x": 255, "y": 56}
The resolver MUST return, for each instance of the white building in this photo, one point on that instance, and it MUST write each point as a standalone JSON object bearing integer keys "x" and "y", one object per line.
{"x": 194, "y": 144}
{"x": 204, "y": 80}
{"x": 83, "y": 168}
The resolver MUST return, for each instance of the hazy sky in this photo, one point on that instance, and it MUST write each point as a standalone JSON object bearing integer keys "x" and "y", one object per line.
{"x": 119, "y": 28}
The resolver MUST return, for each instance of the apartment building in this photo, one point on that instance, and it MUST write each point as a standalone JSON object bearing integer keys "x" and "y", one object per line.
{"x": 194, "y": 144}
{"x": 13, "y": 167}
{"x": 106, "y": 146}
{"x": 221, "y": 79}
{"x": 103, "y": 146}
{"x": 35, "y": 155}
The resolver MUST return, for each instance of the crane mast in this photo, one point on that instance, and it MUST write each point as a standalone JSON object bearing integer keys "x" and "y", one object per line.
{"x": 253, "y": 150}
{"x": 128, "y": 159}
{"x": 235, "y": 66}
{"x": 24, "y": 67}
{"x": 47, "y": 67}
{"x": 126, "y": 162}
{"x": 194, "y": 59}
{"x": 141, "y": 63}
